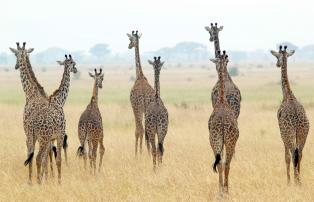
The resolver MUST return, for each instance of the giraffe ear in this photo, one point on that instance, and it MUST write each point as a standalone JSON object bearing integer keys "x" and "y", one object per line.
{"x": 139, "y": 35}
{"x": 274, "y": 53}
{"x": 150, "y": 62}
{"x": 290, "y": 53}
{"x": 129, "y": 35}
{"x": 220, "y": 28}
{"x": 102, "y": 76}
{"x": 60, "y": 63}
{"x": 162, "y": 63}
{"x": 207, "y": 28}
{"x": 91, "y": 75}
{"x": 30, "y": 50}
{"x": 214, "y": 60}
{"x": 13, "y": 50}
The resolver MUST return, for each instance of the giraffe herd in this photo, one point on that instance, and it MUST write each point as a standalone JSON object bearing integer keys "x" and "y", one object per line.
{"x": 44, "y": 119}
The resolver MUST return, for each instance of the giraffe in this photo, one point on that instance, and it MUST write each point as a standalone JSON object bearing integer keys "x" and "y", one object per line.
{"x": 293, "y": 122}
{"x": 59, "y": 96}
{"x": 141, "y": 93}
{"x": 232, "y": 92}
{"x": 156, "y": 117}
{"x": 90, "y": 126}
{"x": 35, "y": 97}
{"x": 222, "y": 126}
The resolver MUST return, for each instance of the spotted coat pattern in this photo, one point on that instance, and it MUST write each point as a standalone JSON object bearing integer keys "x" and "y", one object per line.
{"x": 223, "y": 129}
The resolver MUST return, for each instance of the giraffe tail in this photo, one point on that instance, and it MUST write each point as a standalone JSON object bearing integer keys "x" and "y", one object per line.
{"x": 296, "y": 157}
{"x": 161, "y": 148}
{"x": 54, "y": 149}
{"x": 29, "y": 159}
{"x": 217, "y": 161}
{"x": 80, "y": 151}
{"x": 65, "y": 142}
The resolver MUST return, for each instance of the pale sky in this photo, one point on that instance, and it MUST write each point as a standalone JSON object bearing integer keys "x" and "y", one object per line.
{"x": 79, "y": 24}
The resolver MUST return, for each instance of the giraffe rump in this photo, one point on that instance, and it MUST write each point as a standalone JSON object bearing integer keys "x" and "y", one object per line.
{"x": 29, "y": 159}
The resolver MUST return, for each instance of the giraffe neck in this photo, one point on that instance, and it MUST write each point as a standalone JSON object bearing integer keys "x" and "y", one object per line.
{"x": 157, "y": 85}
{"x": 139, "y": 72}
{"x": 28, "y": 85}
{"x": 222, "y": 86}
{"x": 59, "y": 97}
{"x": 34, "y": 79}
{"x": 217, "y": 46}
{"x": 285, "y": 85}
{"x": 95, "y": 93}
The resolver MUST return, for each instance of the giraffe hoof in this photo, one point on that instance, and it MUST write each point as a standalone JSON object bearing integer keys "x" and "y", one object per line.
{"x": 30, "y": 182}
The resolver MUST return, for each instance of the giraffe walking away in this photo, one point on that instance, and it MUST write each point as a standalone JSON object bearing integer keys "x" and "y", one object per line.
{"x": 293, "y": 122}
{"x": 223, "y": 128}
{"x": 141, "y": 93}
{"x": 156, "y": 117}
{"x": 90, "y": 127}
{"x": 232, "y": 92}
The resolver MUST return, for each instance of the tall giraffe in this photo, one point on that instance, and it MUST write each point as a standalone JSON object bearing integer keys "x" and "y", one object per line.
{"x": 156, "y": 117}
{"x": 34, "y": 94}
{"x": 232, "y": 92}
{"x": 141, "y": 93}
{"x": 90, "y": 128}
{"x": 41, "y": 120}
{"x": 59, "y": 96}
{"x": 222, "y": 126}
{"x": 293, "y": 122}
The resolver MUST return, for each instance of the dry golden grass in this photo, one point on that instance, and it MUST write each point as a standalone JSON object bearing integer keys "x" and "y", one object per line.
{"x": 257, "y": 171}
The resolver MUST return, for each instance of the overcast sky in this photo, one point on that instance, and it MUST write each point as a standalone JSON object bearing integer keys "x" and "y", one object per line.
{"x": 79, "y": 24}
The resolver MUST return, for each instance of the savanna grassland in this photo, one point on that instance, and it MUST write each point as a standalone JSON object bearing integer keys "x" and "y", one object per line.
{"x": 258, "y": 171}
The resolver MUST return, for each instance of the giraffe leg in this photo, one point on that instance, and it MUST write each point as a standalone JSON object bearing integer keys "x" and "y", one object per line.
{"x": 301, "y": 139}
{"x": 58, "y": 159}
{"x": 90, "y": 155}
{"x": 94, "y": 155}
{"x": 139, "y": 131}
{"x": 153, "y": 145}
{"x": 44, "y": 161}
{"x": 39, "y": 160}
{"x": 30, "y": 150}
{"x": 101, "y": 152}
{"x": 229, "y": 154}
{"x": 220, "y": 171}
{"x": 288, "y": 160}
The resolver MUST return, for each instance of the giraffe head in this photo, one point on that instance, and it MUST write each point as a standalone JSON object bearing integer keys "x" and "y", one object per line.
{"x": 213, "y": 31}
{"x": 21, "y": 53}
{"x": 221, "y": 61}
{"x": 68, "y": 63}
{"x": 157, "y": 64}
{"x": 134, "y": 38}
{"x": 282, "y": 55}
{"x": 98, "y": 77}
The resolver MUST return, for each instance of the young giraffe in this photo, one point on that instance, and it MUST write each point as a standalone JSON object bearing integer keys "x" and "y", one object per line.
{"x": 156, "y": 117}
{"x": 141, "y": 93}
{"x": 90, "y": 126}
{"x": 232, "y": 92}
{"x": 35, "y": 96}
{"x": 59, "y": 96}
{"x": 292, "y": 119}
{"x": 222, "y": 126}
